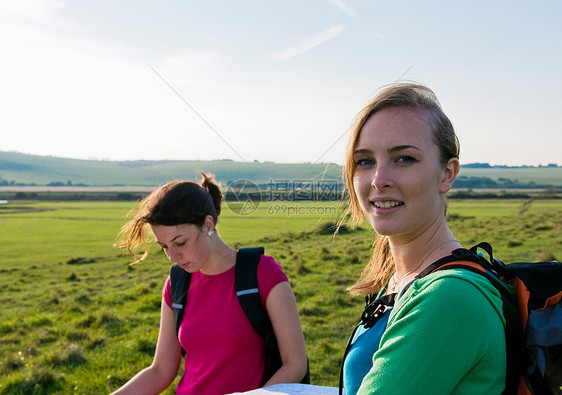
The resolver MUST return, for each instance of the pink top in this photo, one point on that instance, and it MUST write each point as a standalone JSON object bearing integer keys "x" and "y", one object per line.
{"x": 224, "y": 353}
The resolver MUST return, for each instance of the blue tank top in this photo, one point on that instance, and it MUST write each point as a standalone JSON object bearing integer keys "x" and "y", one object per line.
{"x": 359, "y": 359}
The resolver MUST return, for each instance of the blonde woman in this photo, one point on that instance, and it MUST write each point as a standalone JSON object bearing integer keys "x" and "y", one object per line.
{"x": 445, "y": 333}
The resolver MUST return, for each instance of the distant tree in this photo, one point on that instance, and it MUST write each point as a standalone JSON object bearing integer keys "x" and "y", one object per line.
{"x": 474, "y": 182}
{"x": 477, "y": 165}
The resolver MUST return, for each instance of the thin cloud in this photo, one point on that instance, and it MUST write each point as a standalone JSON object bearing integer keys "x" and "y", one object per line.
{"x": 306, "y": 44}
{"x": 36, "y": 13}
{"x": 344, "y": 7}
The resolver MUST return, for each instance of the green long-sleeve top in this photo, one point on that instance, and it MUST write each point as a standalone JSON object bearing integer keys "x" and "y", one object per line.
{"x": 444, "y": 336}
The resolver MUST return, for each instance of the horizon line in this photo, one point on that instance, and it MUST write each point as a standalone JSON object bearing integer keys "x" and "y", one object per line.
{"x": 96, "y": 159}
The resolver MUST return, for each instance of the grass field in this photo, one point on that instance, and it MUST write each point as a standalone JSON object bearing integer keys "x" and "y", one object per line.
{"x": 77, "y": 318}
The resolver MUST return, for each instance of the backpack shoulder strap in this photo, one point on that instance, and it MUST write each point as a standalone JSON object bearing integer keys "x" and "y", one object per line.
{"x": 514, "y": 335}
{"x": 179, "y": 282}
{"x": 469, "y": 258}
{"x": 246, "y": 285}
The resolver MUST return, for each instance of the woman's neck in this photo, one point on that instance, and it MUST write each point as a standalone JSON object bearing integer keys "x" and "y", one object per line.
{"x": 414, "y": 255}
{"x": 221, "y": 259}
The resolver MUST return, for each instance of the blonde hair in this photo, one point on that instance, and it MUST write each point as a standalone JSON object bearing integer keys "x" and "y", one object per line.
{"x": 176, "y": 203}
{"x": 410, "y": 95}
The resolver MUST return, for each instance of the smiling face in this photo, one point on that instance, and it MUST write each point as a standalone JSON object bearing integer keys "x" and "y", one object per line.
{"x": 398, "y": 179}
{"x": 185, "y": 244}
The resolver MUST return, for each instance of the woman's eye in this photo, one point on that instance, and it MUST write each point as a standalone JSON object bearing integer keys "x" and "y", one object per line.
{"x": 181, "y": 244}
{"x": 364, "y": 162}
{"x": 406, "y": 160}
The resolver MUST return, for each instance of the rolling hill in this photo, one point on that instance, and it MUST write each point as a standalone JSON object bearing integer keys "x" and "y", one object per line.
{"x": 24, "y": 169}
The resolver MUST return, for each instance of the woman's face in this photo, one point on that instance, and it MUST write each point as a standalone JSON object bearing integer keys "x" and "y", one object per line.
{"x": 398, "y": 179}
{"x": 185, "y": 244}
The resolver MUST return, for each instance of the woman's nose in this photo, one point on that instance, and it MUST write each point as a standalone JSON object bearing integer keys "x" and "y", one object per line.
{"x": 381, "y": 178}
{"x": 174, "y": 256}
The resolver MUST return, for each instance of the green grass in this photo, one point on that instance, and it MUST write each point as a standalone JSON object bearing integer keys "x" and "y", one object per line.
{"x": 76, "y": 318}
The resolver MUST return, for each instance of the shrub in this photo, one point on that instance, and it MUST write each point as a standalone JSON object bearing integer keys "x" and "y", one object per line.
{"x": 546, "y": 256}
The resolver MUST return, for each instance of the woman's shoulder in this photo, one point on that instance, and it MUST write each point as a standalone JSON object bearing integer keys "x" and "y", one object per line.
{"x": 269, "y": 274}
{"x": 268, "y": 262}
{"x": 462, "y": 288}
{"x": 455, "y": 280}
{"x": 268, "y": 266}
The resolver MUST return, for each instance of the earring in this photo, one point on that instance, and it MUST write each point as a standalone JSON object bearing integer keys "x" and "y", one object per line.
{"x": 210, "y": 233}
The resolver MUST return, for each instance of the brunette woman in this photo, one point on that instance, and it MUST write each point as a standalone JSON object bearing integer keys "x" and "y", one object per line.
{"x": 223, "y": 355}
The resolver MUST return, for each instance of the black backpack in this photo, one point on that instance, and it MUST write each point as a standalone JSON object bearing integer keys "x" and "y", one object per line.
{"x": 531, "y": 293}
{"x": 246, "y": 286}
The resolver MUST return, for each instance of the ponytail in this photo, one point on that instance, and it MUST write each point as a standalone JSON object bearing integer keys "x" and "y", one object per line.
{"x": 209, "y": 184}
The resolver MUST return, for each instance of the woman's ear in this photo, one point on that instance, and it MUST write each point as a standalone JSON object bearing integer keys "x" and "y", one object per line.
{"x": 209, "y": 223}
{"x": 449, "y": 175}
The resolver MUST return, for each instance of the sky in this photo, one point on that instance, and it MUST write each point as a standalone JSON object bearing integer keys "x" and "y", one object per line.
{"x": 274, "y": 80}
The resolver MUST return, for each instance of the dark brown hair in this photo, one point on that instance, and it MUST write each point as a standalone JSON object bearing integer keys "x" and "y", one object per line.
{"x": 176, "y": 203}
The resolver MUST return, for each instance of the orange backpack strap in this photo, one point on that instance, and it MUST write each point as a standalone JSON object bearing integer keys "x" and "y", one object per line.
{"x": 462, "y": 265}
{"x": 523, "y": 295}
{"x": 533, "y": 316}
{"x": 514, "y": 335}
